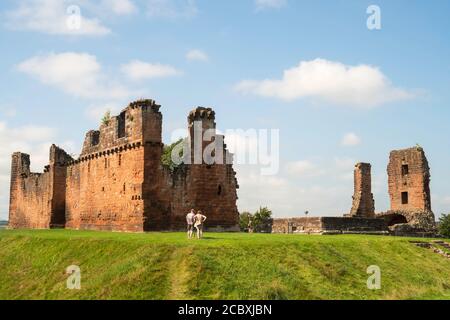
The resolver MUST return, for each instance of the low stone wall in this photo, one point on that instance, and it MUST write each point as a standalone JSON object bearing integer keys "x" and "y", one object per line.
{"x": 349, "y": 225}
{"x": 330, "y": 225}
{"x": 297, "y": 225}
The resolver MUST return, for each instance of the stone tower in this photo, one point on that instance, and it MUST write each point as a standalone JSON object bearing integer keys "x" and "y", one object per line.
{"x": 409, "y": 180}
{"x": 363, "y": 203}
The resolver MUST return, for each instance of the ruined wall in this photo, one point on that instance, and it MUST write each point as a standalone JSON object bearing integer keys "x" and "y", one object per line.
{"x": 119, "y": 182}
{"x": 348, "y": 225}
{"x": 209, "y": 188}
{"x": 108, "y": 187}
{"x": 37, "y": 200}
{"x": 330, "y": 225}
{"x": 409, "y": 180}
{"x": 409, "y": 192}
{"x": 104, "y": 190}
{"x": 363, "y": 202}
{"x": 297, "y": 225}
{"x": 202, "y": 185}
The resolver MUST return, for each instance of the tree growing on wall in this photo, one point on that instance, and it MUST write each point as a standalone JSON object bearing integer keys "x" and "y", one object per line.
{"x": 444, "y": 225}
{"x": 166, "y": 157}
{"x": 106, "y": 118}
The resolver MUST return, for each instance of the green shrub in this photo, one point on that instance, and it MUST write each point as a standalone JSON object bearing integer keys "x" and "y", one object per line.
{"x": 260, "y": 222}
{"x": 444, "y": 225}
{"x": 244, "y": 221}
{"x": 106, "y": 118}
{"x": 166, "y": 157}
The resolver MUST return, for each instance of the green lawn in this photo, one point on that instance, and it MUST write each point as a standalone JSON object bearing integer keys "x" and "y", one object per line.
{"x": 222, "y": 266}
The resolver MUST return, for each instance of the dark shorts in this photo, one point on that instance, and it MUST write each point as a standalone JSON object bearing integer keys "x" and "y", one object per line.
{"x": 190, "y": 227}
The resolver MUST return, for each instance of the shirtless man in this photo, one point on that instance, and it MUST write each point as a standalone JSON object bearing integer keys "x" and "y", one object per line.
{"x": 190, "y": 219}
{"x": 199, "y": 220}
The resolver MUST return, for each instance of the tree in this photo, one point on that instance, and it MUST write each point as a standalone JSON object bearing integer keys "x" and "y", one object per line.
{"x": 106, "y": 118}
{"x": 244, "y": 221}
{"x": 444, "y": 225}
{"x": 166, "y": 157}
{"x": 262, "y": 220}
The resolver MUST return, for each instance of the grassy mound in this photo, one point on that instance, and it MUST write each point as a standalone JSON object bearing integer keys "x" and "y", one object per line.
{"x": 222, "y": 266}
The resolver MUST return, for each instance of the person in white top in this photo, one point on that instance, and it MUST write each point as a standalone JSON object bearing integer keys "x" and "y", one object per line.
{"x": 199, "y": 221}
{"x": 190, "y": 219}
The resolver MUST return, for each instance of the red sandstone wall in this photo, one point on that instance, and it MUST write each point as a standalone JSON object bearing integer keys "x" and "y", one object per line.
{"x": 211, "y": 189}
{"x": 297, "y": 225}
{"x": 363, "y": 202}
{"x": 31, "y": 207}
{"x": 416, "y": 182}
{"x": 38, "y": 199}
{"x": 104, "y": 192}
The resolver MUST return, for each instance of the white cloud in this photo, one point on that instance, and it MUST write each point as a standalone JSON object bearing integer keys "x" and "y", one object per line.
{"x": 138, "y": 70}
{"x": 361, "y": 86}
{"x": 304, "y": 168}
{"x": 196, "y": 55}
{"x": 269, "y": 4}
{"x": 350, "y": 139}
{"x": 120, "y": 7}
{"x": 78, "y": 74}
{"x": 51, "y": 17}
{"x": 172, "y": 9}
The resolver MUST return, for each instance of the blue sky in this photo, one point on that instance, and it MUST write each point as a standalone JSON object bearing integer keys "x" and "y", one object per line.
{"x": 348, "y": 93}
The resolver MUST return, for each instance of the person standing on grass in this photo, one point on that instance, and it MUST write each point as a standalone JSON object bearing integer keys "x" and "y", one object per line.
{"x": 190, "y": 219}
{"x": 199, "y": 220}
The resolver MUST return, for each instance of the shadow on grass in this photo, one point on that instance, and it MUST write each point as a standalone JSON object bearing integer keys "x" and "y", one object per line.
{"x": 211, "y": 238}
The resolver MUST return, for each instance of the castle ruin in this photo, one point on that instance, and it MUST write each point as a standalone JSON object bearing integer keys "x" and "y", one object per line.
{"x": 119, "y": 182}
{"x": 409, "y": 191}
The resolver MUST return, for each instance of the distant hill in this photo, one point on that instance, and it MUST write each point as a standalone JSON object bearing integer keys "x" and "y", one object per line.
{"x": 222, "y": 266}
{"x": 3, "y": 223}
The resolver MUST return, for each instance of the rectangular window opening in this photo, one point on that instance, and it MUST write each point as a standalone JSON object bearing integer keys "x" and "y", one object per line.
{"x": 405, "y": 169}
{"x": 405, "y": 198}
{"x": 121, "y": 126}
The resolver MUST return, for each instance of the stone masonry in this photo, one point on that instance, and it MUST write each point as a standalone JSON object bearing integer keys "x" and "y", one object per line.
{"x": 330, "y": 226}
{"x": 363, "y": 202}
{"x": 119, "y": 182}
{"x": 409, "y": 191}
{"x": 409, "y": 180}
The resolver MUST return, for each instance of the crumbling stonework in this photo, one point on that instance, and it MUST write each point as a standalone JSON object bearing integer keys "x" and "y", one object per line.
{"x": 119, "y": 183}
{"x": 330, "y": 225}
{"x": 409, "y": 192}
{"x": 38, "y": 199}
{"x": 409, "y": 180}
{"x": 363, "y": 202}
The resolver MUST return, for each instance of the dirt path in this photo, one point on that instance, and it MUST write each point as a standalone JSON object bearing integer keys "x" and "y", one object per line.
{"x": 179, "y": 273}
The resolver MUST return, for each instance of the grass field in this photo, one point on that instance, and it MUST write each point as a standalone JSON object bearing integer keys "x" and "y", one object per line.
{"x": 222, "y": 266}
